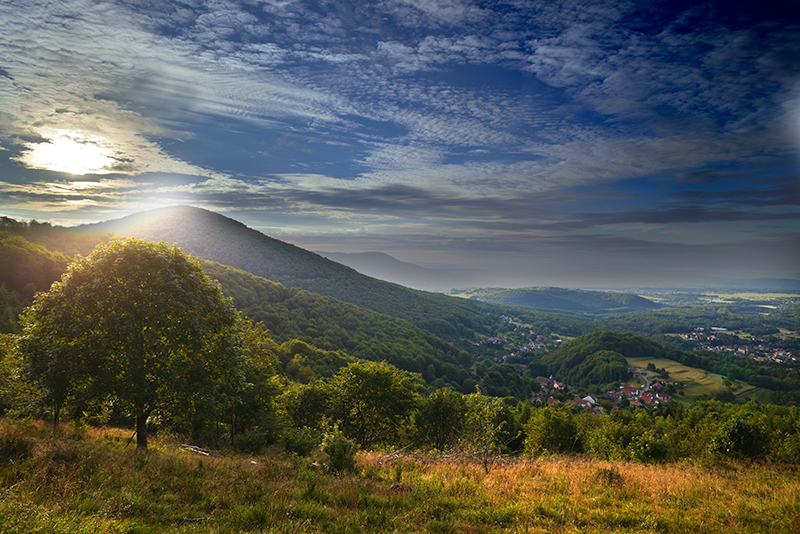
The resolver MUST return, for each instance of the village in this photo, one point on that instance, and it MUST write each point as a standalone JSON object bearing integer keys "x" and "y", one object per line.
{"x": 720, "y": 340}
{"x": 651, "y": 395}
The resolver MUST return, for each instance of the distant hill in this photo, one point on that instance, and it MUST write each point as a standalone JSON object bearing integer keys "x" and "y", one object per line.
{"x": 560, "y": 299}
{"x": 385, "y": 267}
{"x": 218, "y": 238}
{"x": 757, "y": 284}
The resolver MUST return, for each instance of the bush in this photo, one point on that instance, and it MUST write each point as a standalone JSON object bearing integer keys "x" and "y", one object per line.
{"x": 738, "y": 436}
{"x": 647, "y": 448}
{"x": 552, "y": 430}
{"x": 255, "y": 440}
{"x": 300, "y": 441}
{"x": 341, "y": 451}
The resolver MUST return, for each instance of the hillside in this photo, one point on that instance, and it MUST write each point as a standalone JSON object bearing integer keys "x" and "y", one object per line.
{"x": 560, "y": 299}
{"x": 324, "y": 322}
{"x": 218, "y": 238}
{"x": 25, "y": 268}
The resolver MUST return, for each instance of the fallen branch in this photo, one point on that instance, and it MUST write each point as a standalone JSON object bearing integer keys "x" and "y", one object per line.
{"x": 195, "y": 449}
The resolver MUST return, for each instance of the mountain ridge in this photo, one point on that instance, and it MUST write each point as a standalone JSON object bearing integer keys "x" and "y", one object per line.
{"x": 215, "y": 237}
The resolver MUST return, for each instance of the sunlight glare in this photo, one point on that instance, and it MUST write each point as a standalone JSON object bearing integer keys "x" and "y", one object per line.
{"x": 70, "y": 153}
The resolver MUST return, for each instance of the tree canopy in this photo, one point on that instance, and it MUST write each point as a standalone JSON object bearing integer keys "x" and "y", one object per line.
{"x": 137, "y": 324}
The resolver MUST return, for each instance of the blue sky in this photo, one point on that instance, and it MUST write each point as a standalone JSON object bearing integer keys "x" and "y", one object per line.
{"x": 570, "y": 143}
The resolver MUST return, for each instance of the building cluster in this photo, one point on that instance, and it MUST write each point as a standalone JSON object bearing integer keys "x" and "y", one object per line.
{"x": 651, "y": 395}
{"x": 760, "y": 350}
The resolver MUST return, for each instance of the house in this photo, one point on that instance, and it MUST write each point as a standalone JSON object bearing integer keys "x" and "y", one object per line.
{"x": 648, "y": 399}
{"x": 545, "y": 381}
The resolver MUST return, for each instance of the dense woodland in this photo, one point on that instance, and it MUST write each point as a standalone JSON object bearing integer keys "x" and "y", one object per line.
{"x": 316, "y": 367}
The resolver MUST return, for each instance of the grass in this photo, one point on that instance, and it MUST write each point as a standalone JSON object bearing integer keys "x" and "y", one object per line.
{"x": 699, "y": 383}
{"x": 91, "y": 482}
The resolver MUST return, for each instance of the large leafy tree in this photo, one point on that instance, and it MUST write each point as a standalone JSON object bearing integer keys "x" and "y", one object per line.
{"x": 441, "y": 418}
{"x": 139, "y": 324}
{"x": 370, "y": 401}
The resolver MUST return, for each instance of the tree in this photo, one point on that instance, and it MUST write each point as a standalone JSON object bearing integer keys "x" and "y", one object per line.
{"x": 552, "y": 429}
{"x": 371, "y": 400}
{"x": 441, "y": 418}
{"x": 483, "y": 426}
{"x": 139, "y": 324}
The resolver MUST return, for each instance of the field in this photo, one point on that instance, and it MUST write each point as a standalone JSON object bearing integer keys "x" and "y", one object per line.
{"x": 88, "y": 481}
{"x": 698, "y": 382}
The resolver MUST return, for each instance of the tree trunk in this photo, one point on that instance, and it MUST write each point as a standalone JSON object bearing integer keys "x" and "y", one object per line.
{"x": 233, "y": 427}
{"x": 56, "y": 413}
{"x": 141, "y": 428}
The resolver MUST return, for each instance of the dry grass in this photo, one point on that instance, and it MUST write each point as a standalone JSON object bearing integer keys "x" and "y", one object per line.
{"x": 87, "y": 481}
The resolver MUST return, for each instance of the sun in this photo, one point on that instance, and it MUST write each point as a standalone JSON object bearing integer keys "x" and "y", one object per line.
{"x": 69, "y": 152}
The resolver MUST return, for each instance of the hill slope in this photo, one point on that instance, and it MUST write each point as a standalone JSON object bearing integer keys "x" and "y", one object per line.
{"x": 324, "y": 322}
{"x": 223, "y": 240}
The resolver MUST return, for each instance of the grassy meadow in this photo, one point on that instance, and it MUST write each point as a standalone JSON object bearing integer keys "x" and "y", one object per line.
{"x": 84, "y": 480}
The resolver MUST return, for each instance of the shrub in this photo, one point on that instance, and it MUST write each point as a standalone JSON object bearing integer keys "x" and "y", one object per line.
{"x": 553, "y": 430}
{"x": 340, "y": 450}
{"x": 300, "y": 441}
{"x": 647, "y": 448}
{"x": 738, "y": 436}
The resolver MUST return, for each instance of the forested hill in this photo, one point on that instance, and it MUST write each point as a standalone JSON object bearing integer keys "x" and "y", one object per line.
{"x": 218, "y": 238}
{"x": 327, "y": 323}
{"x": 601, "y": 357}
{"x": 560, "y": 299}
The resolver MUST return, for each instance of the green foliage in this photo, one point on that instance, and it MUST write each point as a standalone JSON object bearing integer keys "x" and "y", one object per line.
{"x": 25, "y": 268}
{"x": 140, "y": 324}
{"x": 441, "y": 418}
{"x": 483, "y": 428}
{"x": 68, "y": 241}
{"x": 648, "y": 448}
{"x": 220, "y": 239}
{"x": 305, "y": 320}
{"x": 340, "y": 451}
{"x": 552, "y": 429}
{"x": 304, "y": 405}
{"x": 738, "y": 436}
{"x": 370, "y": 401}
{"x": 600, "y": 357}
{"x": 301, "y": 441}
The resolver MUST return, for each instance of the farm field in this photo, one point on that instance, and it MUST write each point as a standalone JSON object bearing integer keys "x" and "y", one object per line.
{"x": 698, "y": 382}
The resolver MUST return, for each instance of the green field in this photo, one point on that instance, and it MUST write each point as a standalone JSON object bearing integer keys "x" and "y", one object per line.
{"x": 698, "y": 382}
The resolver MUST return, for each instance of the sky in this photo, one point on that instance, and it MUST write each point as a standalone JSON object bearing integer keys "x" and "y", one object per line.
{"x": 571, "y": 143}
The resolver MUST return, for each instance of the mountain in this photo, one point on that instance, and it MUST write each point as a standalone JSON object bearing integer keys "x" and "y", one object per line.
{"x": 218, "y": 238}
{"x": 560, "y": 299}
{"x": 385, "y": 267}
